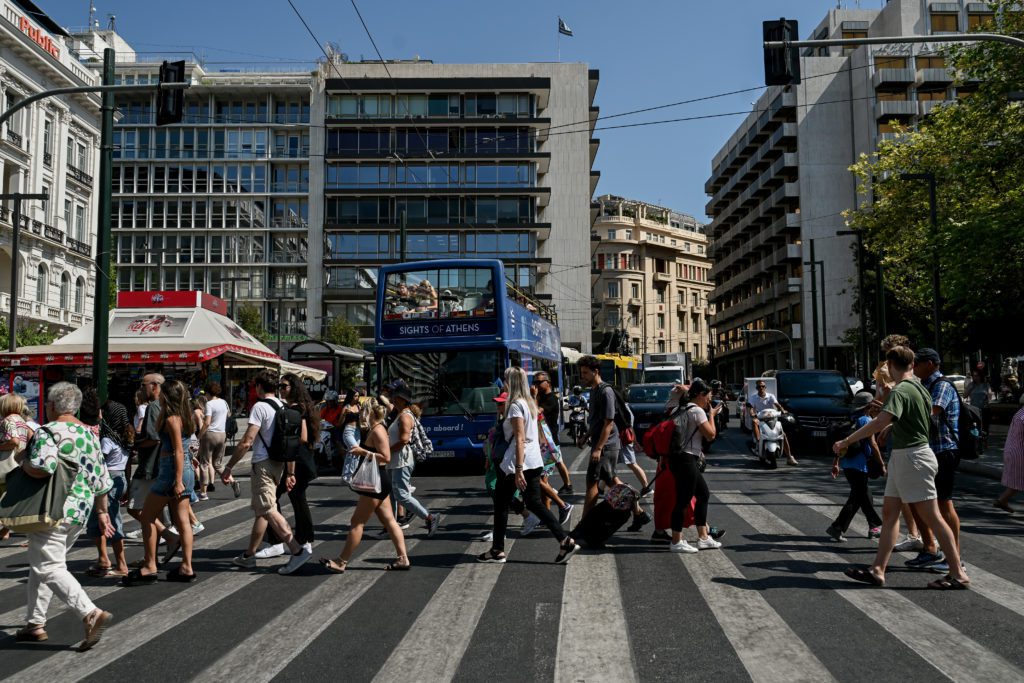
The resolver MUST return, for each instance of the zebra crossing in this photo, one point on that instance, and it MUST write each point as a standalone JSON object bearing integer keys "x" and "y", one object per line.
{"x": 771, "y": 606}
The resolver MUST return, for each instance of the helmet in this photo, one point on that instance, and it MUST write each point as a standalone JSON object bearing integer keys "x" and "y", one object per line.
{"x": 577, "y": 390}
{"x": 716, "y": 385}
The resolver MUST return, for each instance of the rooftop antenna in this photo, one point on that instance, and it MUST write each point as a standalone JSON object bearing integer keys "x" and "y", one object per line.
{"x": 92, "y": 15}
{"x": 111, "y": 22}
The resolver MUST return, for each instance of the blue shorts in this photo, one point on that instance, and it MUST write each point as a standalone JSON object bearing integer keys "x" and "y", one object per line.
{"x": 164, "y": 484}
{"x": 114, "y": 495}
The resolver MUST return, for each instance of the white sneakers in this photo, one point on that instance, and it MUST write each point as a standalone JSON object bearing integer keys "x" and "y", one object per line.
{"x": 702, "y": 544}
{"x": 269, "y": 551}
{"x": 911, "y": 544}
{"x": 708, "y": 544}
{"x": 682, "y": 547}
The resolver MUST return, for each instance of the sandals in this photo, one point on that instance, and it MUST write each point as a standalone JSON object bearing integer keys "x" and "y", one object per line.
{"x": 176, "y": 576}
{"x": 492, "y": 556}
{"x": 98, "y": 570}
{"x": 31, "y": 634}
{"x": 334, "y": 566}
{"x": 398, "y": 566}
{"x": 865, "y": 576}
{"x": 137, "y": 578}
{"x": 94, "y": 629}
{"x": 1005, "y": 507}
{"x": 948, "y": 583}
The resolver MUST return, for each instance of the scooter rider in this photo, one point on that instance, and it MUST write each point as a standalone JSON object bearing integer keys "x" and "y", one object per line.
{"x": 759, "y": 402}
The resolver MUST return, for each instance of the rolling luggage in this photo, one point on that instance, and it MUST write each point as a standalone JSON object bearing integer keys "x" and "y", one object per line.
{"x": 598, "y": 525}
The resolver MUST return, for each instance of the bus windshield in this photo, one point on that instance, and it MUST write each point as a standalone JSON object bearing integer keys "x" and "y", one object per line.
{"x": 439, "y": 293}
{"x": 448, "y": 382}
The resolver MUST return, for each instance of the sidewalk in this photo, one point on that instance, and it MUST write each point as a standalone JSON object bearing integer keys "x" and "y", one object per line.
{"x": 990, "y": 464}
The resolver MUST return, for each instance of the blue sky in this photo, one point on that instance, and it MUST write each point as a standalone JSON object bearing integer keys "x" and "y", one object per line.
{"x": 649, "y": 52}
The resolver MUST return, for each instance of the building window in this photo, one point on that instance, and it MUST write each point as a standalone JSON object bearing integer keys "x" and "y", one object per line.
{"x": 634, "y": 290}
{"x": 700, "y": 248}
{"x": 629, "y": 234}
{"x": 695, "y": 299}
{"x": 65, "y": 291}
{"x": 853, "y": 34}
{"x": 611, "y": 234}
{"x": 686, "y": 247}
{"x": 48, "y": 142}
{"x": 612, "y": 318}
{"x": 979, "y": 20}
{"x": 661, "y": 346}
{"x": 931, "y": 62}
{"x": 890, "y": 62}
{"x": 944, "y": 23}
{"x": 681, "y": 323}
{"x": 660, "y": 320}
{"x": 42, "y": 284}
{"x": 79, "y": 295}
{"x": 660, "y": 293}
{"x": 79, "y": 222}
{"x": 613, "y": 290}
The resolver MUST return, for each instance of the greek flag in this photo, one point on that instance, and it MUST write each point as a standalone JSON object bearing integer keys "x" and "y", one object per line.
{"x": 563, "y": 28}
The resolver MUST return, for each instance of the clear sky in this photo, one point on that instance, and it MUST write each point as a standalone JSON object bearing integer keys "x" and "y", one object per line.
{"x": 649, "y": 53}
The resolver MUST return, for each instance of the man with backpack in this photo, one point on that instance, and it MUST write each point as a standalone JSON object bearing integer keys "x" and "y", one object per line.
{"x": 944, "y": 440}
{"x": 272, "y": 461}
{"x": 605, "y": 437}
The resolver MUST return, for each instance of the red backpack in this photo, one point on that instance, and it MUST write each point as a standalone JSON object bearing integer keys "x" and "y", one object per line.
{"x": 662, "y": 439}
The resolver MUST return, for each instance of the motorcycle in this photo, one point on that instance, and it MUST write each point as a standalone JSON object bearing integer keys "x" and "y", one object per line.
{"x": 769, "y": 445}
{"x": 577, "y": 425}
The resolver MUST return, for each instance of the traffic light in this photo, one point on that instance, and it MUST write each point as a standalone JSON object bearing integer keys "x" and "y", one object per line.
{"x": 781, "y": 64}
{"x": 170, "y": 102}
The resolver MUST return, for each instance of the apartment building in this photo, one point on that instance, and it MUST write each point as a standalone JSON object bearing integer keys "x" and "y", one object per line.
{"x": 652, "y": 277}
{"x": 481, "y": 160}
{"x": 49, "y": 147}
{"x": 779, "y": 185}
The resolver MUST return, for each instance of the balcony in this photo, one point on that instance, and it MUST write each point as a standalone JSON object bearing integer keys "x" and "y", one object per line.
{"x": 634, "y": 302}
{"x": 15, "y": 138}
{"x": 927, "y": 106}
{"x": 613, "y": 301}
{"x": 79, "y": 247}
{"x": 933, "y": 77}
{"x": 34, "y": 310}
{"x": 52, "y": 233}
{"x": 286, "y": 292}
{"x": 79, "y": 175}
{"x": 289, "y": 153}
{"x": 892, "y": 79}
{"x": 47, "y": 159}
{"x": 893, "y": 108}
{"x": 662, "y": 277}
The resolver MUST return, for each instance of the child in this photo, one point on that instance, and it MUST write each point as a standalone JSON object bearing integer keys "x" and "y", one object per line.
{"x": 855, "y": 467}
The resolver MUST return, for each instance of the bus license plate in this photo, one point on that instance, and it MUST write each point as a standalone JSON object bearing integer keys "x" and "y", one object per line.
{"x": 443, "y": 454}
{"x": 819, "y": 432}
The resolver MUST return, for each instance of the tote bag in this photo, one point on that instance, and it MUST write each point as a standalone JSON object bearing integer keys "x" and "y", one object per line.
{"x": 32, "y": 504}
{"x": 366, "y": 478}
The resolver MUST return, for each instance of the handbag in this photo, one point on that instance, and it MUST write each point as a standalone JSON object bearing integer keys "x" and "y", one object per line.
{"x": 36, "y": 504}
{"x": 366, "y": 478}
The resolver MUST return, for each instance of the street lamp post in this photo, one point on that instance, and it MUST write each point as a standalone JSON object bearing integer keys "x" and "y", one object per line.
{"x": 818, "y": 268}
{"x": 933, "y": 215}
{"x": 748, "y": 331}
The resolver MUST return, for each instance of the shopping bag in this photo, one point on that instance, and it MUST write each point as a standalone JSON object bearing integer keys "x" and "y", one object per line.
{"x": 366, "y": 478}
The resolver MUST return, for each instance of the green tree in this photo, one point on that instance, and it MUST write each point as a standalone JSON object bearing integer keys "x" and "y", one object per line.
{"x": 250, "y": 319}
{"x": 29, "y": 333}
{"x": 343, "y": 333}
{"x": 973, "y": 149}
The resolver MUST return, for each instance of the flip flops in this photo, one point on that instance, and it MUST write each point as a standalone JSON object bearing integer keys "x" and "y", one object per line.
{"x": 334, "y": 566}
{"x": 864, "y": 576}
{"x": 176, "y": 576}
{"x": 948, "y": 583}
{"x": 98, "y": 571}
{"x": 137, "y": 578}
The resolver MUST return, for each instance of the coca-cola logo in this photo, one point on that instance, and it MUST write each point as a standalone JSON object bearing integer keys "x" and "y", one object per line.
{"x": 158, "y": 298}
{"x": 150, "y": 325}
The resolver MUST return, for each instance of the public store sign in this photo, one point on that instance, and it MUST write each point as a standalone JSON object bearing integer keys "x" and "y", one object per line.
{"x": 38, "y": 36}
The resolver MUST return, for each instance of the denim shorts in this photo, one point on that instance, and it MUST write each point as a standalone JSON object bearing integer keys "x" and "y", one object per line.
{"x": 164, "y": 484}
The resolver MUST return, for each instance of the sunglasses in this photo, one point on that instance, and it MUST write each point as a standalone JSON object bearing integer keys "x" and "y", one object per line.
{"x": 284, "y": 385}
{"x": 761, "y": 386}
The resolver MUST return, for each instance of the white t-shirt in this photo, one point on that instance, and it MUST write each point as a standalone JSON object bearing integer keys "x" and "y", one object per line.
{"x": 263, "y": 416}
{"x": 217, "y": 411}
{"x": 140, "y": 416}
{"x": 759, "y": 404}
{"x": 533, "y": 458}
{"x": 114, "y": 455}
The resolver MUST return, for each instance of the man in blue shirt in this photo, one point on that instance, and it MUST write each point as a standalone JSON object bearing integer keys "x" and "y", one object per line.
{"x": 944, "y": 442}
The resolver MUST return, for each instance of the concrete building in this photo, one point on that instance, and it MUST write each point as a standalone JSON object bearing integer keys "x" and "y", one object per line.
{"x": 778, "y": 187}
{"x": 49, "y": 147}
{"x": 484, "y": 160}
{"x": 652, "y": 281}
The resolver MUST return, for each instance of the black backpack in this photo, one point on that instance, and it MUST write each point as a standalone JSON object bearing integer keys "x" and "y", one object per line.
{"x": 623, "y": 416}
{"x": 285, "y": 442}
{"x": 968, "y": 428}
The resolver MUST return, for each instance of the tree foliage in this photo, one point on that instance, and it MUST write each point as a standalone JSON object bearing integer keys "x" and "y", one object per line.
{"x": 29, "y": 333}
{"x": 973, "y": 149}
{"x": 250, "y": 319}
{"x": 340, "y": 331}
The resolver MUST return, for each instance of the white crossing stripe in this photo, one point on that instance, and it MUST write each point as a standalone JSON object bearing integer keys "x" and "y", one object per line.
{"x": 580, "y": 460}
{"x": 125, "y": 637}
{"x": 747, "y": 620}
{"x": 593, "y": 643}
{"x": 945, "y": 648}
{"x": 995, "y": 588}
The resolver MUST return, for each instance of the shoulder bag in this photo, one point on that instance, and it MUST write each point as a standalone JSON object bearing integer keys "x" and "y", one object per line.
{"x": 698, "y": 457}
{"x": 37, "y": 504}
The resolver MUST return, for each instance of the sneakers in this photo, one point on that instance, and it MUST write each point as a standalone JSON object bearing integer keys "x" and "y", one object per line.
{"x": 911, "y": 544}
{"x": 405, "y": 520}
{"x": 708, "y": 544}
{"x": 308, "y": 547}
{"x": 566, "y": 552}
{"x": 245, "y": 561}
{"x": 924, "y": 560}
{"x": 875, "y": 532}
{"x": 566, "y": 490}
{"x": 836, "y": 534}
{"x": 529, "y": 525}
{"x": 639, "y": 521}
{"x": 433, "y": 521}
{"x": 275, "y": 550}
{"x": 942, "y": 566}
{"x": 716, "y": 532}
{"x": 296, "y": 561}
{"x": 236, "y": 488}
{"x": 682, "y": 547}
{"x": 487, "y": 536}
{"x": 564, "y": 514}
{"x": 661, "y": 536}
{"x": 198, "y": 528}
{"x": 203, "y": 496}
{"x": 133, "y": 535}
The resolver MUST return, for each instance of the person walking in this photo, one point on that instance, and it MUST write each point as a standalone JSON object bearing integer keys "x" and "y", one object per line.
{"x": 695, "y": 421}
{"x": 548, "y": 403}
{"x": 214, "y": 435}
{"x": 148, "y": 450}
{"x": 521, "y": 468}
{"x": 294, "y": 394}
{"x": 172, "y": 489}
{"x": 854, "y": 466}
{"x": 402, "y": 462}
{"x": 1013, "y": 463}
{"x": 979, "y": 394}
{"x": 116, "y": 457}
{"x": 65, "y": 438}
{"x": 205, "y": 473}
{"x": 912, "y": 470}
{"x": 15, "y": 434}
{"x": 267, "y": 474}
{"x": 377, "y": 446}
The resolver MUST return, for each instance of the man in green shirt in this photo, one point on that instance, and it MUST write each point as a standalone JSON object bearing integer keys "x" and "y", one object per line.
{"x": 912, "y": 470}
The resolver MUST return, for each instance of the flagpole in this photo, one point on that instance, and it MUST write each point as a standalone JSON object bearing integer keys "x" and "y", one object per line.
{"x": 558, "y": 44}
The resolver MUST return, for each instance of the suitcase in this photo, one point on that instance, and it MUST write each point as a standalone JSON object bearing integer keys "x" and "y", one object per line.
{"x": 598, "y": 525}
{"x": 665, "y": 499}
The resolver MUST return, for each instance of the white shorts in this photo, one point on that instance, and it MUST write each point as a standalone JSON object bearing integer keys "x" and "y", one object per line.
{"x": 911, "y": 475}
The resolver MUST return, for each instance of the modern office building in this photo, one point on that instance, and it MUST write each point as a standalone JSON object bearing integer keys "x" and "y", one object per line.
{"x": 49, "y": 147}
{"x": 481, "y": 160}
{"x": 652, "y": 277}
{"x": 778, "y": 187}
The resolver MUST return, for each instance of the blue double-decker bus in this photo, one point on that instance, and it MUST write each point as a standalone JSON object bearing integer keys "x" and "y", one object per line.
{"x": 450, "y": 328}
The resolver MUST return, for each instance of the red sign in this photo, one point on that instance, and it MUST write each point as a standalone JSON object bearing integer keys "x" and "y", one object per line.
{"x": 39, "y": 37}
{"x": 172, "y": 300}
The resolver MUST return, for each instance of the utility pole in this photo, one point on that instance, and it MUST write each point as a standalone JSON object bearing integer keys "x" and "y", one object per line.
{"x": 16, "y": 197}
{"x": 814, "y": 303}
{"x": 101, "y": 317}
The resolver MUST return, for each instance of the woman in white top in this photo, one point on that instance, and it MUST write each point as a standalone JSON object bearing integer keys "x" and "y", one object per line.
{"x": 521, "y": 468}
{"x": 213, "y": 437}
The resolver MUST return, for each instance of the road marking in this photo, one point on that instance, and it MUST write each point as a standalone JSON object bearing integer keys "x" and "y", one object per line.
{"x": 593, "y": 642}
{"x": 126, "y": 637}
{"x": 545, "y": 620}
{"x": 579, "y": 460}
{"x": 945, "y": 648}
{"x": 746, "y": 618}
{"x": 434, "y": 645}
{"x": 995, "y": 588}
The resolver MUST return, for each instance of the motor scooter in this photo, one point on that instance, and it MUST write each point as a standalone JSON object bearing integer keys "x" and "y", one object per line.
{"x": 577, "y": 425}
{"x": 772, "y": 436}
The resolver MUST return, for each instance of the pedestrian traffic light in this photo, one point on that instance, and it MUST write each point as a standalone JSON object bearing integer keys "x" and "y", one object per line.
{"x": 781, "y": 64}
{"x": 170, "y": 102}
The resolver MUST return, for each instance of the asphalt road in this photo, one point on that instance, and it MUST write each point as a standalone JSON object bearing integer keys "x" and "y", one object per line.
{"x": 772, "y": 605}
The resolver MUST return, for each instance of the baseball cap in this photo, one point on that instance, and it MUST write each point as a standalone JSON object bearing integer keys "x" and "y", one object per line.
{"x": 501, "y": 398}
{"x": 927, "y": 354}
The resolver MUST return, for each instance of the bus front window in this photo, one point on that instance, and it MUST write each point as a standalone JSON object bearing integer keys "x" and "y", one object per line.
{"x": 448, "y": 383}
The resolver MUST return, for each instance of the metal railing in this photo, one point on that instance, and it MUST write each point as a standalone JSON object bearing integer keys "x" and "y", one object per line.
{"x": 79, "y": 175}
{"x": 14, "y": 138}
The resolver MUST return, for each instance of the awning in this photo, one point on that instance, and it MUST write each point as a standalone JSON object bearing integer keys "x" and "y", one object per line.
{"x": 302, "y": 371}
{"x": 571, "y": 355}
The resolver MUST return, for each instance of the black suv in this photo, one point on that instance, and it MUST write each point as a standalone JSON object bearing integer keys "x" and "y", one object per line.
{"x": 822, "y": 403}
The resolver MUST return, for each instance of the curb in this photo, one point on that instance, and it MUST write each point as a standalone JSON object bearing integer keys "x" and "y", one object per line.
{"x": 988, "y": 471}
